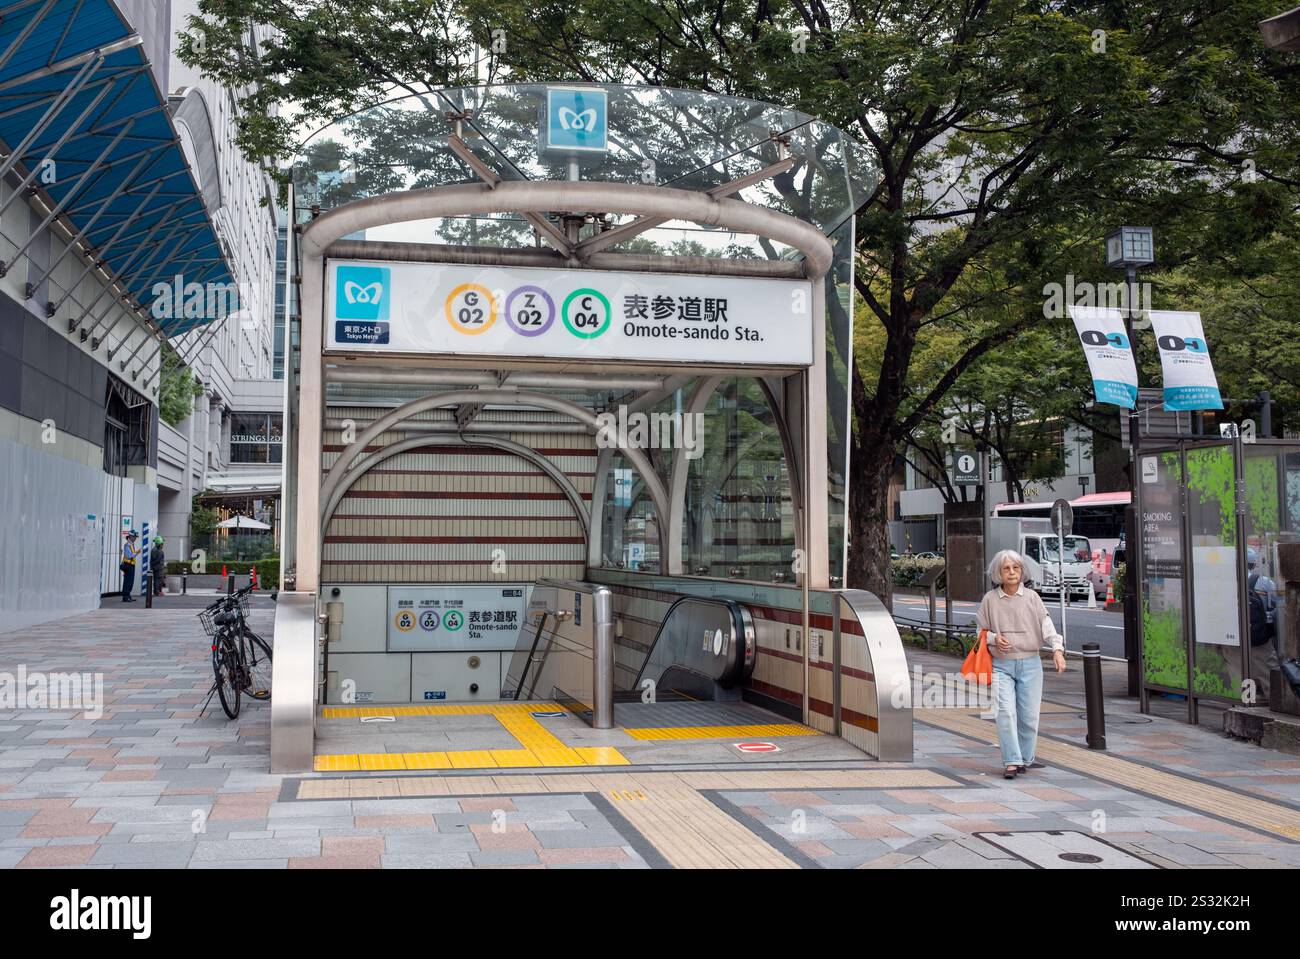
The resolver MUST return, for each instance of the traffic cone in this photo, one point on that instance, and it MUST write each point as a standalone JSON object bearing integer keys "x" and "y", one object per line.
{"x": 223, "y": 571}
{"x": 1092, "y": 597}
{"x": 252, "y": 576}
{"x": 1110, "y": 594}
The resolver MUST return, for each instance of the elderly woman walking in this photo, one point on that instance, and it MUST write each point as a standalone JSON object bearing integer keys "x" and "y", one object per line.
{"x": 1018, "y": 627}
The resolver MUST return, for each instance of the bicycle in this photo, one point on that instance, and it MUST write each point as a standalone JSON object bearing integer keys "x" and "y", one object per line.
{"x": 241, "y": 659}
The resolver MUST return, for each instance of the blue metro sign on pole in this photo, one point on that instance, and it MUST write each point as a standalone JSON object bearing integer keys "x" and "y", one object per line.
{"x": 577, "y": 120}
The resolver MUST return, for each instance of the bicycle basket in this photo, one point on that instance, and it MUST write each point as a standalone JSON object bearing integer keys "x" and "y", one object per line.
{"x": 208, "y": 617}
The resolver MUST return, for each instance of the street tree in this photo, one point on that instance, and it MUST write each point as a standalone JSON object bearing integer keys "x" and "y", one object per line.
{"x": 993, "y": 126}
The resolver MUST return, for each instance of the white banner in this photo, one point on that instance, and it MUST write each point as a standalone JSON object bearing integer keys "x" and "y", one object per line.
{"x": 581, "y": 314}
{"x": 1109, "y": 353}
{"x": 1190, "y": 383}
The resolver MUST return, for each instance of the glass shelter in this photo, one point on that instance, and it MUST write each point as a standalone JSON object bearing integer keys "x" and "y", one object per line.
{"x": 569, "y": 407}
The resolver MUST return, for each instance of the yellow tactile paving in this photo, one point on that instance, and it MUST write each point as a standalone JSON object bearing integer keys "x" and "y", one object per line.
{"x": 472, "y": 759}
{"x": 508, "y": 758}
{"x": 539, "y": 746}
{"x": 331, "y": 764}
{"x": 381, "y": 761}
{"x": 1224, "y": 803}
{"x": 601, "y": 756}
{"x": 721, "y": 732}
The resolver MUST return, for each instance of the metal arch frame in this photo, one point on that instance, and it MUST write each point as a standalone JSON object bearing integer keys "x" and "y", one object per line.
{"x": 538, "y": 197}
{"x": 527, "y": 453}
{"x": 343, "y": 467}
{"x": 545, "y": 197}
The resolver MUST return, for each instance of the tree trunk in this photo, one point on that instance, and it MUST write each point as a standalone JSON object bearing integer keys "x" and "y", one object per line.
{"x": 869, "y": 564}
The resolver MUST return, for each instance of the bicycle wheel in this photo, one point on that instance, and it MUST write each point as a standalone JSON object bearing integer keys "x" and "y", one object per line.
{"x": 226, "y": 669}
{"x": 257, "y": 663}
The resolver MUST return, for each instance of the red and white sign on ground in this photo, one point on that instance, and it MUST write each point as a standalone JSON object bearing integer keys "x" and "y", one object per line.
{"x": 757, "y": 747}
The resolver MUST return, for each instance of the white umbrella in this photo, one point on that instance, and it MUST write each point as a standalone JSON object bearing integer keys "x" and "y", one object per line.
{"x": 242, "y": 522}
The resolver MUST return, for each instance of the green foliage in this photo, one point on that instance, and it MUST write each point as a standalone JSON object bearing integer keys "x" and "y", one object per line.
{"x": 325, "y": 59}
{"x": 268, "y": 570}
{"x": 1213, "y": 674}
{"x": 1118, "y": 577}
{"x": 179, "y": 386}
{"x": 1210, "y": 477}
{"x": 1163, "y": 650}
{"x": 908, "y": 570}
{"x": 203, "y": 520}
{"x": 1004, "y": 138}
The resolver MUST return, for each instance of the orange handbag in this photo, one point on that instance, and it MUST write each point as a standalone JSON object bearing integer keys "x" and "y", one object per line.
{"x": 978, "y": 665}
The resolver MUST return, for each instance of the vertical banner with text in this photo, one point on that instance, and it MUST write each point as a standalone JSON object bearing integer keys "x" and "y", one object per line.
{"x": 1190, "y": 383}
{"x": 1109, "y": 352}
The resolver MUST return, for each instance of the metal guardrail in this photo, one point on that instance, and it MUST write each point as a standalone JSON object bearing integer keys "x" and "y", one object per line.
{"x": 964, "y": 634}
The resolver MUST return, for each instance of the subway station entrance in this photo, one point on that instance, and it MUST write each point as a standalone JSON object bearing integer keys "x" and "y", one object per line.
{"x": 568, "y": 430}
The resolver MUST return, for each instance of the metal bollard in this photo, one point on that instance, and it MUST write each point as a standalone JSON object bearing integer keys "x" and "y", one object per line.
{"x": 184, "y": 583}
{"x": 148, "y": 590}
{"x": 1092, "y": 696}
{"x": 230, "y": 585}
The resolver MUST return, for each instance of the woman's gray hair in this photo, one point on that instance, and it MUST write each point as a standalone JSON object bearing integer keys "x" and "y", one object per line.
{"x": 995, "y": 567}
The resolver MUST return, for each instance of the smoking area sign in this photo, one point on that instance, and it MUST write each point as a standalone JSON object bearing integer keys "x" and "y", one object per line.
{"x": 439, "y": 618}
{"x": 456, "y": 309}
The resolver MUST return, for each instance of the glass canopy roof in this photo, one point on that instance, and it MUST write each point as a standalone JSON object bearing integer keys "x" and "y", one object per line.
{"x": 675, "y": 138}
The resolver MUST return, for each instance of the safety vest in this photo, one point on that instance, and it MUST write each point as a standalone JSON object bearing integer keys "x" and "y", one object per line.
{"x": 129, "y": 552}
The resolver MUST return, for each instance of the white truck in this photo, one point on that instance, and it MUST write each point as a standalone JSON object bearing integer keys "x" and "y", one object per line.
{"x": 1034, "y": 540}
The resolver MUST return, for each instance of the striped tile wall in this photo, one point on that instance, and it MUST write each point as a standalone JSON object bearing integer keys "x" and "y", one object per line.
{"x": 439, "y": 513}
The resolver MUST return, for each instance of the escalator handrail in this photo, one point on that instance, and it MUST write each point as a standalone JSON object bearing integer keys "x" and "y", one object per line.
{"x": 741, "y": 627}
{"x": 532, "y": 650}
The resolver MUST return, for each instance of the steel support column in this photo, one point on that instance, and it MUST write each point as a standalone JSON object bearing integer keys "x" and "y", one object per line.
{"x": 699, "y": 399}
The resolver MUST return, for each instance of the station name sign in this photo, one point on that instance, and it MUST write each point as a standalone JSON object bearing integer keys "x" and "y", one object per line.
{"x": 566, "y": 314}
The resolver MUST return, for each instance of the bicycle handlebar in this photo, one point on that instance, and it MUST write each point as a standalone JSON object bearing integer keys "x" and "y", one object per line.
{"x": 231, "y": 596}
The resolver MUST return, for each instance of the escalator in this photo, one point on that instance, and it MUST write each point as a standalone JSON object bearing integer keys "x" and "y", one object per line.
{"x": 704, "y": 649}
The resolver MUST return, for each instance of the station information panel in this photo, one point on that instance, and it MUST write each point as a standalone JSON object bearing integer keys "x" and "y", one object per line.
{"x": 455, "y": 617}
{"x": 565, "y": 314}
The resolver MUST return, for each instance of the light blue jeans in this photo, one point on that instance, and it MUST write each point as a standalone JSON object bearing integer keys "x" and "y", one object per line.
{"x": 1017, "y": 695}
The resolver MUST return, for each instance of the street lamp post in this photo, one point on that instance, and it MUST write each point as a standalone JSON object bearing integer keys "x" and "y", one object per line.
{"x": 1132, "y": 247}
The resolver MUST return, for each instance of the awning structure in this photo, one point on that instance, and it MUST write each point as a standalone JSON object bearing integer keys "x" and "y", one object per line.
{"x": 83, "y": 123}
{"x": 247, "y": 482}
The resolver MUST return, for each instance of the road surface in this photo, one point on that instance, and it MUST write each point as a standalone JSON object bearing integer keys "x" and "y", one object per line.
{"x": 1083, "y": 625}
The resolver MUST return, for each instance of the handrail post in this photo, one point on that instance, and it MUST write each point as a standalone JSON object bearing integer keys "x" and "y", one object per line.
{"x": 293, "y": 683}
{"x": 602, "y": 660}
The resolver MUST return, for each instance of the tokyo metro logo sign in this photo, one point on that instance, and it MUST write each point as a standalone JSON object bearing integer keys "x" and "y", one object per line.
{"x": 362, "y": 293}
{"x": 577, "y": 120}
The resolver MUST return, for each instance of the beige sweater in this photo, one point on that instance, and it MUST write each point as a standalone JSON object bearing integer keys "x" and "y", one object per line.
{"x": 1022, "y": 618}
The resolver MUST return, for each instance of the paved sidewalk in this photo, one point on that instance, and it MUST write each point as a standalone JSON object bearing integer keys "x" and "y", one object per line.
{"x": 152, "y": 783}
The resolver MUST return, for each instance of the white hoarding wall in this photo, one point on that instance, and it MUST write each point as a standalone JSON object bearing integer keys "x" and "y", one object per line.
{"x": 566, "y": 314}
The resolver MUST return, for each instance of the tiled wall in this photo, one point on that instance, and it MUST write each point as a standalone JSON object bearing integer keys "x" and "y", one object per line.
{"x": 444, "y": 513}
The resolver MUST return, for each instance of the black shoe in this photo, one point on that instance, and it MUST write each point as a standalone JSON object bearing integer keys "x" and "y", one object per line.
{"x": 1010, "y": 771}
{"x": 1033, "y": 765}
